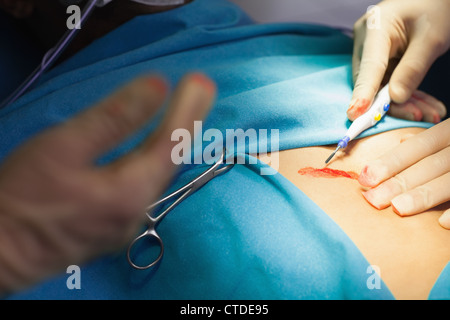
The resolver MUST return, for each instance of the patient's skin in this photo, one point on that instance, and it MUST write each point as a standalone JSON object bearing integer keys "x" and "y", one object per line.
{"x": 411, "y": 252}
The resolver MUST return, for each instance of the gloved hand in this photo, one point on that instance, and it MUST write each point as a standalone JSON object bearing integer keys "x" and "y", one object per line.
{"x": 58, "y": 209}
{"x": 410, "y": 36}
{"x": 414, "y": 176}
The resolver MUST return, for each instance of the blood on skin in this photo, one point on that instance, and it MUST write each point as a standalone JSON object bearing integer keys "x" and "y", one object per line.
{"x": 328, "y": 173}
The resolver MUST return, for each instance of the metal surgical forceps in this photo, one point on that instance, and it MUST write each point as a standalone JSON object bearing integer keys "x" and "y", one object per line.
{"x": 179, "y": 195}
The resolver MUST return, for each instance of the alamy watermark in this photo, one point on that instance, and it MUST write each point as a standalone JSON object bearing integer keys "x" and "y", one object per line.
{"x": 373, "y": 18}
{"x": 374, "y": 280}
{"x": 262, "y": 142}
{"x": 74, "y": 20}
{"x": 74, "y": 280}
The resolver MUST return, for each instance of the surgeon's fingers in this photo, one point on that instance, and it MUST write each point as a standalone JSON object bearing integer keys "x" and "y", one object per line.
{"x": 151, "y": 166}
{"x": 98, "y": 129}
{"x": 408, "y": 110}
{"x": 423, "y": 197}
{"x": 412, "y": 68}
{"x": 419, "y": 174}
{"x": 370, "y": 73}
{"x": 406, "y": 154}
{"x": 433, "y": 107}
{"x": 420, "y": 106}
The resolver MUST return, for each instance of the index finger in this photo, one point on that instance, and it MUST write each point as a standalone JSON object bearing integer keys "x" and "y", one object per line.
{"x": 372, "y": 67}
{"x": 406, "y": 154}
{"x": 150, "y": 167}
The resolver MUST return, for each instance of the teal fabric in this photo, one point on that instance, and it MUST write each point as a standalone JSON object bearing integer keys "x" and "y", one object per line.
{"x": 244, "y": 235}
{"x": 441, "y": 289}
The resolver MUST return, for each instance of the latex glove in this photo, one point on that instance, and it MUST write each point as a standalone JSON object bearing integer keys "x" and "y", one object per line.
{"x": 411, "y": 36}
{"x": 414, "y": 176}
{"x": 58, "y": 209}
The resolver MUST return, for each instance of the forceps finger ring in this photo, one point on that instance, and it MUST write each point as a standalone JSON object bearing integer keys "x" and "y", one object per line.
{"x": 217, "y": 169}
{"x": 149, "y": 233}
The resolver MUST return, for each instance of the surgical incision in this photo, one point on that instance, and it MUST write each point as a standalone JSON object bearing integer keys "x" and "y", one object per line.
{"x": 328, "y": 173}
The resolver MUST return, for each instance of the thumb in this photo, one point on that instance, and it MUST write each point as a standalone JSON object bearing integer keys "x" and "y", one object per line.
{"x": 369, "y": 72}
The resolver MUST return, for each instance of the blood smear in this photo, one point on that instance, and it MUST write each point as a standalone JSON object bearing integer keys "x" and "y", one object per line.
{"x": 328, "y": 173}
{"x": 359, "y": 107}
